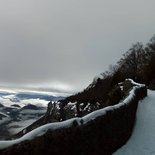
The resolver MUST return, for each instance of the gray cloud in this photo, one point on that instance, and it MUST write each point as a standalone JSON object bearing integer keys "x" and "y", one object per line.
{"x": 43, "y": 43}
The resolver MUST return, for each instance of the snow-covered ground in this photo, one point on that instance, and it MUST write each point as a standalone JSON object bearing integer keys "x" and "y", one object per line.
{"x": 142, "y": 141}
{"x": 68, "y": 123}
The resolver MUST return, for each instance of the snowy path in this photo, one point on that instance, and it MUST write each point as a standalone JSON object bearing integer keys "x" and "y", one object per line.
{"x": 142, "y": 141}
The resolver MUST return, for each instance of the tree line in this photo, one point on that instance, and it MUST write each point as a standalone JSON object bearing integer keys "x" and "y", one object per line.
{"x": 138, "y": 63}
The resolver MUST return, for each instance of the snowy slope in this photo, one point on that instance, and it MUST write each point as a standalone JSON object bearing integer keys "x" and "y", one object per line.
{"x": 68, "y": 123}
{"x": 142, "y": 141}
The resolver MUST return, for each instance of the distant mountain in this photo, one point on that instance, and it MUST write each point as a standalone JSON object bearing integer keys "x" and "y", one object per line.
{"x": 19, "y": 110}
{"x": 15, "y": 105}
{"x": 9, "y": 98}
{"x": 30, "y": 107}
{"x": 38, "y": 96}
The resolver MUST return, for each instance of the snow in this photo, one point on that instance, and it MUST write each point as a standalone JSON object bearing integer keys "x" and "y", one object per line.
{"x": 87, "y": 106}
{"x": 72, "y": 104}
{"x": 65, "y": 124}
{"x": 135, "y": 83}
{"x": 142, "y": 140}
{"x": 103, "y": 111}
{"x": 39, "y": 132}
{"x": 121, "y": 88}
{"x": 57, "y": 105}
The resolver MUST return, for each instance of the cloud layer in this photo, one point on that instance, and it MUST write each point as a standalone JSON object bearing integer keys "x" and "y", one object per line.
{"x": 62, "y": 45}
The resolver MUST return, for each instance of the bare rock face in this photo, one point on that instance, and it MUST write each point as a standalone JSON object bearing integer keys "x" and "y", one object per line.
{"x": 53, "y": 112}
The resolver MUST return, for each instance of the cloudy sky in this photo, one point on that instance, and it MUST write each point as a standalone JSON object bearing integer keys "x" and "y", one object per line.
{"x": 60, "y": 45}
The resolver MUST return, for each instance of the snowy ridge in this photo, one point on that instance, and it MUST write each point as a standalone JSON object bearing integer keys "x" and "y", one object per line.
{"x": 68, "y": 123}
{"x": 135, "y": 83}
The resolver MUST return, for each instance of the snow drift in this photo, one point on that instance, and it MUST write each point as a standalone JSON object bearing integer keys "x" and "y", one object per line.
{"x": 142, "y": 140}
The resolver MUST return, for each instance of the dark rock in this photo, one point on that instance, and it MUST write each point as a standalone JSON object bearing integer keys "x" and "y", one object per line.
{"x": 152, "y": 85}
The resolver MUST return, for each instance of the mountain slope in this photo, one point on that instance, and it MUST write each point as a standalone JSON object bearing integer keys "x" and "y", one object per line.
{"x": 96, "y": 133}
{"x": 101, "y": 95}
{"x": 138, "y": 63}
{"x": 142, "y": 140}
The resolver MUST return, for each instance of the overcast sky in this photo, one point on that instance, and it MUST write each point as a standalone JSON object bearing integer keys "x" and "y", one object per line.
{"x": 61, "y": 45}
